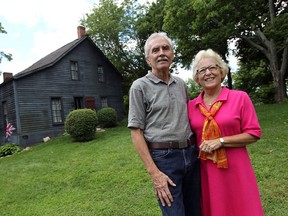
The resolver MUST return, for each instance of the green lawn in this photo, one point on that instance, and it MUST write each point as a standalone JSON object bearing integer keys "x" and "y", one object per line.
{"x": 106, "y": 177}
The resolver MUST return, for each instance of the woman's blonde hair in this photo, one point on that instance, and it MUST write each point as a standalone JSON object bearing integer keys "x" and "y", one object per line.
{"x": 209, "y": 53}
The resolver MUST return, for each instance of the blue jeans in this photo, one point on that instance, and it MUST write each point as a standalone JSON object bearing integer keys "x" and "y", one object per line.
{"x": 182, "y": 166}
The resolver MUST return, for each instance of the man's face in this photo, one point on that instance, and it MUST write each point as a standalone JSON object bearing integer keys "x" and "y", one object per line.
{"x": 160, "y": 54}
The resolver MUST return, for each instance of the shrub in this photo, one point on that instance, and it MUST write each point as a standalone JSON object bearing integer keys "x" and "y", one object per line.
{"x": 126, "y": 104}
{"x": 81, "y": 124}
{"x": 9, "y": 149}
{"x": 264, "y": 94}
{"x": 107, "y": 117}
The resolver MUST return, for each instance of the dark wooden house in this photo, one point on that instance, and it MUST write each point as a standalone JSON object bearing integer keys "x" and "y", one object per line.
{"x": 38, "y": 99}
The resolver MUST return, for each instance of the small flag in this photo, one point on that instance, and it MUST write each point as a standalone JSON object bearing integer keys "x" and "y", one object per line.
{"x": 9, "y": 129}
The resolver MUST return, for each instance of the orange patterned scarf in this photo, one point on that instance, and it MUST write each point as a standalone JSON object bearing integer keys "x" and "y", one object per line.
{"x": 212, "y": 131}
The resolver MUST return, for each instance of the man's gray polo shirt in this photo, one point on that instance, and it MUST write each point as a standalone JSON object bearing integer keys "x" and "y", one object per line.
{"x": 160, "y": 110}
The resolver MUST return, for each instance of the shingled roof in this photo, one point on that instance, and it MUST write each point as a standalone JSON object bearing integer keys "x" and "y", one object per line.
{"x": 50, "y": 59}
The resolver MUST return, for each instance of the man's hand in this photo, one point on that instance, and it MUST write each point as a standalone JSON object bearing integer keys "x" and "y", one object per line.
{"x": 161, "y": 182}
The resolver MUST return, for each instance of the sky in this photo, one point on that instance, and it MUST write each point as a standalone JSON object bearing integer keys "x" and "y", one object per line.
{"x": 36, "y": 28}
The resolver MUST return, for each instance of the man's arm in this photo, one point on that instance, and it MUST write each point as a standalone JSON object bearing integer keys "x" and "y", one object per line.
{"x": 160, "y": 180}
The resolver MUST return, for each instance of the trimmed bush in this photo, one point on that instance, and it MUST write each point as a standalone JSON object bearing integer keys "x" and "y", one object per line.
{"x": 107, "y": 117}
{"x": 81, "y": 124}
{"x": 9, "y": 149}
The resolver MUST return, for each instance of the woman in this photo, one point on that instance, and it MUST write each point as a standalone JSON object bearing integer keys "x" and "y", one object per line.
{"x": 224, "y": 121}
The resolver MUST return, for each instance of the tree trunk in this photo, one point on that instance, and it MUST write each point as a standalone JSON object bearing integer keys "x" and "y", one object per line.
{"x": 278, "y": 73}
{"x": 280, "y": 91}
{"x": 229, "y": 80}
{"x": 279, "y": 83}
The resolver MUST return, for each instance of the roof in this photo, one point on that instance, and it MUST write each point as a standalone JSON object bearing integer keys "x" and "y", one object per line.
{"x": 52, "y": 58}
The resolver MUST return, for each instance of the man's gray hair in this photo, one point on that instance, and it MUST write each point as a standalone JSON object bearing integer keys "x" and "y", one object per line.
{"x": 155, "y": 35}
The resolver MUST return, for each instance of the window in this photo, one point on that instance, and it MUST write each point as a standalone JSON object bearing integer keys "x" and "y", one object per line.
{"x": 100, "y": 73}
{"x": 74, "y": 70}
{"x": 104, "y": 102}
{"x": 56, "y": 110}
{"x": 78, "y": 102}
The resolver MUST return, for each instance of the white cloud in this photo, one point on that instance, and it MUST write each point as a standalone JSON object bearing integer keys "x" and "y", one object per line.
{"x": 60, "y": 19}
{"x": 18, "y": 12}
{"x": 37, "y": 27}
{"x": 53, "y": 13}
{"x": 233, "y": 61}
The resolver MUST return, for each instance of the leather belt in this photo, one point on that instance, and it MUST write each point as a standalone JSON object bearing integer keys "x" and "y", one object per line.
{"x": 172, "y": 144}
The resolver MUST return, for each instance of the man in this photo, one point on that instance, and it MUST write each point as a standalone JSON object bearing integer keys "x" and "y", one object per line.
{"x": 161, "y": 133}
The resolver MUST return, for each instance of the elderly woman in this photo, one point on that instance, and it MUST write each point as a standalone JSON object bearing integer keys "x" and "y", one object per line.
{"x": 224, "y": 121}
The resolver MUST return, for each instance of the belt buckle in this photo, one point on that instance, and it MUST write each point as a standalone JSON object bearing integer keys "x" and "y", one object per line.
{"x": 183, "y": 144}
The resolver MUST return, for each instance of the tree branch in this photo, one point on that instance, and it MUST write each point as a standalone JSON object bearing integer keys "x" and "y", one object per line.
{"x": 272, "y": 10}
{"x": 257, "y": 46}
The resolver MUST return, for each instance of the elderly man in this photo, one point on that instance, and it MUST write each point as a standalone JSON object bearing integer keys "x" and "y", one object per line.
{"x": 161, "y": 132}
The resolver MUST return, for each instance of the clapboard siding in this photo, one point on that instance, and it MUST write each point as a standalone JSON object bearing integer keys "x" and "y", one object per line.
{"x": 35, "y": 89}
{"x": 7, "y": 96}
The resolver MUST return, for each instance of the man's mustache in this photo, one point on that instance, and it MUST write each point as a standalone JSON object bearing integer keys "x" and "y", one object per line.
{"x": 162, "y": 58}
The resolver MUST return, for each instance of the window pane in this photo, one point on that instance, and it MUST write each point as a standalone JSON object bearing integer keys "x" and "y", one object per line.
{"x": 100, "y": 74}
{"x": 78, "y": 102}
{"x": 56, "y": 110}
{"x": 74, "y": 70}
{"x": 104, "y": 102}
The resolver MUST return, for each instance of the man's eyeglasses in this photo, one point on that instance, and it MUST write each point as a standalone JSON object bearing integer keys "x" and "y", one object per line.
{"x": 202, "y": 71}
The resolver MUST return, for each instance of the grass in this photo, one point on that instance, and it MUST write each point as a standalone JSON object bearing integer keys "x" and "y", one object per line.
{"x": 269, "y": 158}
{"x": 106, "y": 177}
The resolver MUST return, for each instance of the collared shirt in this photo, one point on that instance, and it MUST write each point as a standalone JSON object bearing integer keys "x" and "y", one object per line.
{"x": 236, "y": 115}
{"x": 159, "y": 109}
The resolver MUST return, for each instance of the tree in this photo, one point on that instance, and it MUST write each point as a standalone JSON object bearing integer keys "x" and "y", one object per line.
{"x": 185, "y": 22}
{"x": 193, "y": 89}
{"x": 121, "y": 30}
{"x": 263, "y": 26}
{"x": 258, "y": 84}
{"x": 259, "y": 28}
{"x": 269, "y": 35}
{"x": 2, "y": 54}
{"x": 113, "y": 28}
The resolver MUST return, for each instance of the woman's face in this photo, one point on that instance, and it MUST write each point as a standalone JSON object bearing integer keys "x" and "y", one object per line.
{"x": 209, "y": 73}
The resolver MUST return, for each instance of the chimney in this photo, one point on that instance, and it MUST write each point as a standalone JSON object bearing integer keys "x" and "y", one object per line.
{"x": 81, "y": 31}
{"x": 7, "y": 76}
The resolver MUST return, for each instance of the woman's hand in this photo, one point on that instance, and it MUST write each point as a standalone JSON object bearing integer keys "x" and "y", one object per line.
{"x": 210, "y": 145}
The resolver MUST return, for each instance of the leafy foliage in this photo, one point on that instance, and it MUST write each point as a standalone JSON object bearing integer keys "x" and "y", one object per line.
{"x": 193, "y": 89}
{"x": 9, "y": 149}
{"x": 255, "y": 79}
{"x": 81, "y": 124}
{"x": 212, "y": 24}
{"x": 107, "y": 117}
{"x": 113, "y": 28}
{"x": 2, "y": 54}
{"x": 190, "y": 24}
{"x": 126, "y": 104}
{"x": 258, "y": 28}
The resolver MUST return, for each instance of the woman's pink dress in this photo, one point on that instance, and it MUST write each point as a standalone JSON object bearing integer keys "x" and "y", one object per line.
{"x": 232, "y": 191}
